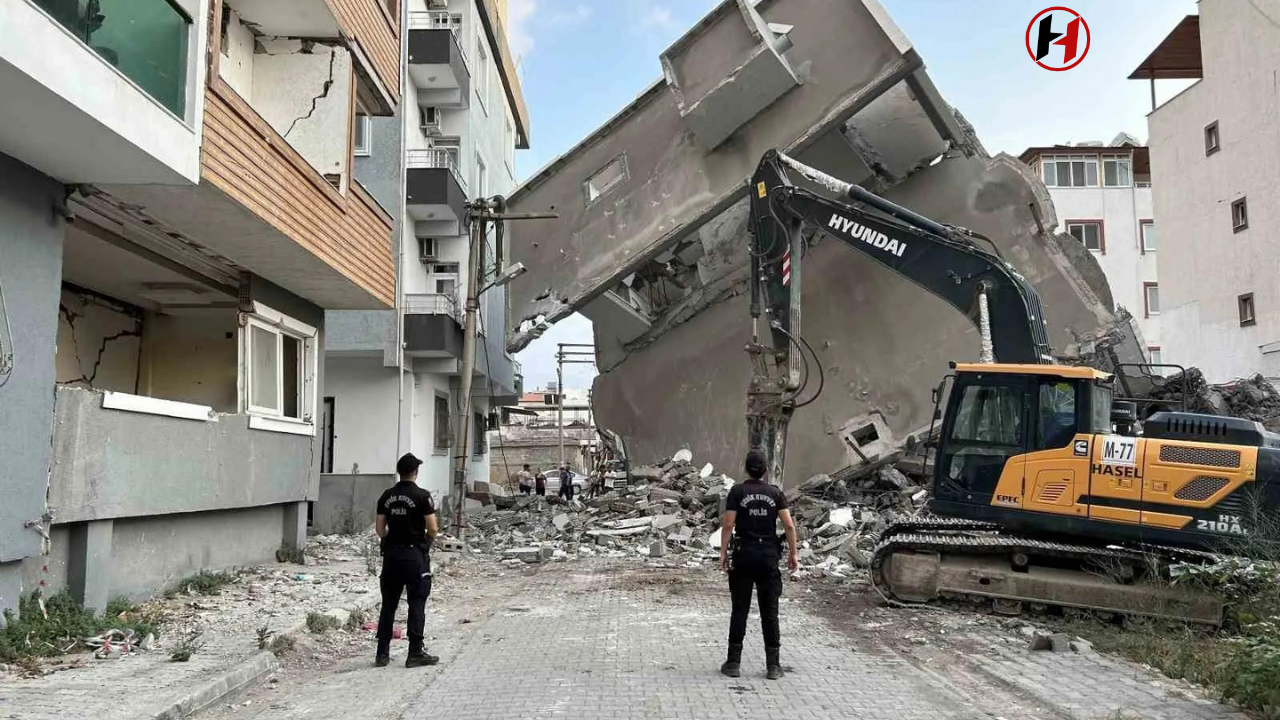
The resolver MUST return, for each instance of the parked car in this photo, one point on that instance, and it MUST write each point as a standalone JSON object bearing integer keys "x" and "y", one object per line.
{"x": 580, "y": 482}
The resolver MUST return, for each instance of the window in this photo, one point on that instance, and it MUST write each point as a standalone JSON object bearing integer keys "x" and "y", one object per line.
{"x": 362, "y": 134}
{"x": 479, "y": 445}
{"x": 1245, "y": 303}
{"x": 1155, "y": 357}
{"x": 444, "y": 438}
{"x": 1057, "y": 424}
{"x": 1151, "y": 299}
{"x": 509, "y": 144}
{"x": 280, "y": 370}
{"x": 1070, "y": 171}
{"x": 1116, "y": 171}
{"x": 482, "y": 177}
{"x": 444, "y": 278}
{"x": 986, "y": 432}
{"x": 1211, "y": 145}
{"x": 1148, "y": 236}
{"x": 482, "y": 74}
{"x": 1101, "y": 410}
{"x": 606, "y": 177}
{"x": 1239, "y": 215}
{"x": 1089, "y": 233}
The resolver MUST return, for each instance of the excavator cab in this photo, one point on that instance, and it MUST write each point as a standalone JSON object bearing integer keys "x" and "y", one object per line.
{"x": 1006, "y": 423}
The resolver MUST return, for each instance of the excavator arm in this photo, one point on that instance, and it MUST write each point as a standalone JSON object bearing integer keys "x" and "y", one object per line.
{"x": 943, "y": 260}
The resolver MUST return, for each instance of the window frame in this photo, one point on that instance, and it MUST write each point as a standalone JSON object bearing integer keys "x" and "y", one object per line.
{"x": 1241, "y": 301}
{"x": 1211, "y": 133}
{"x": 509, "y": 143}
{"x": 1142, "y": 236}
{"x": 482, "y": 74}
{"x": 622, "y": 177}
{"x": 358, "y": 149}
{"x": 479, "y": 443}
{"x": 1102, "y": 232}
{"x": 279, "y": 326}
{"x": 437, "y": 448}
{"x": 482, "y": 175}
{"x": 1147, "y": 312}
{"x": 1240, "y": 210}
{"x": 1155, "y": 355}
{"x": 1086, "y": 160}
{"x": 1127, "y": 160}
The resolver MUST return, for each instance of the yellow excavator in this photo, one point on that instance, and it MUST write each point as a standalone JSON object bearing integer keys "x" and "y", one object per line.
{"x": 1043, "y": 493}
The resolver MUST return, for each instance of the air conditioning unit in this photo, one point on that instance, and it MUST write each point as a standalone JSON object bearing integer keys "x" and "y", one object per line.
{"x": 427, "y": 250}
{"x": 437, "y": 4}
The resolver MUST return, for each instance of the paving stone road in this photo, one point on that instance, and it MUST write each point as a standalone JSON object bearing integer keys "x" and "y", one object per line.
{"x": 618, "y": 639}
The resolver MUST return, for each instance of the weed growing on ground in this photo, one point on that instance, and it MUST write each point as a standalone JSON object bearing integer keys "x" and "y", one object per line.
{"x": 282, "y": 644}
{"x": 205, "y": 582}
{"x": 188, "y": 645}
{"x": 319, "y": 623}
{"x": 264, "y": 637}
{"x": 357, "y": 618}
{"x": 63, "y": 624}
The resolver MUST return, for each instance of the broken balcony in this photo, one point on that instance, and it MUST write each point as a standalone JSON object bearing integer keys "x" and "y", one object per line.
{"x": 437, "y": 61}
{"x": 435, "y": 189}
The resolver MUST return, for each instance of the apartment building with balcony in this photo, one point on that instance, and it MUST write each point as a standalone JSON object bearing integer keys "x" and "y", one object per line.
{"x": 1102, "y": 194}
{"x": 392, "y": 383}
{"x": 1216, "y": 156}
{"x": 177, "y": 213}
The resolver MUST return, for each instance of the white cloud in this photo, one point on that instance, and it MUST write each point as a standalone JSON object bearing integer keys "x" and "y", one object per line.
{"x": 659, "y": 16}
{"x": 525, "y": 17}
{"x": 519, "y": 12}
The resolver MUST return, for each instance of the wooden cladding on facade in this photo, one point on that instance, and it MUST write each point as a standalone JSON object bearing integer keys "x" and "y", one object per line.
{"x": 249, "y": 161}
{"x": 375, "y": 26}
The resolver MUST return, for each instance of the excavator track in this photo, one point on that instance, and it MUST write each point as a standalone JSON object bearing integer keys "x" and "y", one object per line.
{"x": 933, "y": 559}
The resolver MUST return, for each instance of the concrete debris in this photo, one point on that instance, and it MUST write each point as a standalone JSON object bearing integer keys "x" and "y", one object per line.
{"x": 1250, "y": 398}
{"x": 1056, "y": 642}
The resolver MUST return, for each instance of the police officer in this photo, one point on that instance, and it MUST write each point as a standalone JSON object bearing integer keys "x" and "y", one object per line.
{"x": 407, "y": 524}
{"x": 749, "y": 552}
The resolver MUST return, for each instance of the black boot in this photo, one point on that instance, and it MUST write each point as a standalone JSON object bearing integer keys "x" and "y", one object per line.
{"x": 384, "y": 654}
{"x": 418, "y": 657}
{"x": 772, "y": 664}
{"x": 733, "y": 664}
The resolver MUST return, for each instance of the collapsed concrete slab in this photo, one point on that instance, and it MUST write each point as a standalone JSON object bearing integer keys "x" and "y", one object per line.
{"x": 652, "y": 240}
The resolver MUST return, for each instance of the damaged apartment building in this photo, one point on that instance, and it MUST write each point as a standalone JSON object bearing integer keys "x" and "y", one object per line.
{"x": 392, "y": 379}
{"x": 652, "y": 245}
{"x": 177, "y": 213}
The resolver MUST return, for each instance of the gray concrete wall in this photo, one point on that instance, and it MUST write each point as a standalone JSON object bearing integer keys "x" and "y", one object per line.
{"x": 115, "y": 464}
{"x": 99, "y": 341}
{"x": 148, "y": 555}
{"x": 379, "y": 171}
{"x": 883, "y": 341}
{"x": 30, "y": 276}
{"x": 192, "y": 356}
{"x": 348, "y": 503}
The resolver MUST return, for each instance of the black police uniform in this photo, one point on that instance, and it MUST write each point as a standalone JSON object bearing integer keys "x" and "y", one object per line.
{"x": 406, "y": 562}
{"x": 754, "y": 556}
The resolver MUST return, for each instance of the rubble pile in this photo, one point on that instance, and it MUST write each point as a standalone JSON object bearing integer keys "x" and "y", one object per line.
{"x": 672, "y": 510}
{"x": 1250, "y": 398}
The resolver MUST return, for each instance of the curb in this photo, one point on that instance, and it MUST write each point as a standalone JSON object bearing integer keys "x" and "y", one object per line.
{"x": 238, "y": 678}
{"x": 244, "y": 675}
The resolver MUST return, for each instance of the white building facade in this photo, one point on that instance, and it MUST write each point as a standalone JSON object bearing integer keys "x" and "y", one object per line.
{"x": 462, "y": 120}
{"x": 1102, "y": 195}
{"x": 1215, "y": 154}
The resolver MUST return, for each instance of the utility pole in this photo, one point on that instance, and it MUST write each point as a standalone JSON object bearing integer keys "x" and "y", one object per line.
{"x": 575, "y": 355}
{"x": 481, "y": 214}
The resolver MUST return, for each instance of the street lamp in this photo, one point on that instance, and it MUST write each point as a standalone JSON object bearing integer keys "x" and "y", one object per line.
{"x": 510, "y": 273}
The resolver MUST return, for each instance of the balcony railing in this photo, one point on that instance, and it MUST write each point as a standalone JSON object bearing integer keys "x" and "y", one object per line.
{"x": 146, "y": 40}
{"x": 437, "y": 158}
{"x": 432, "y": 304}
{"x": 441, "y": 20}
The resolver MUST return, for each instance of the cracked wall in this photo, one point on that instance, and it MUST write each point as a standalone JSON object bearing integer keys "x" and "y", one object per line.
{"x": 301, "y": 87}
{"x": 99, "y": 342}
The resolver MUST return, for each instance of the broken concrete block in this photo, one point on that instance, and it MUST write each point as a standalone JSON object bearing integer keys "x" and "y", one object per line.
{"x": 682, "y": 534}
{"x": 529, "y": 555}
{"x": 663, "y": 522}
{"x": 1057, "y": 642}
{"x": 657, "y": 548}
{"x": 683, "y": 455}
{"x": 841, "y": 516}
{"x": 891, "y": 477}
{"x": 560, "y": 521}
{"x": 830, "y": 529}
{"x": 662, "y": 495}
{"x": 1081, "y": 645}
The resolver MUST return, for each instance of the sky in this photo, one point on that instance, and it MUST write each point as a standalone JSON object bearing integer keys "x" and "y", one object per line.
{"x": 582, "y": 60}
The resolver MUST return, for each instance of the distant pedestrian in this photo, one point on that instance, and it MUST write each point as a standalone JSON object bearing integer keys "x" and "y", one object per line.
{"x": 566, "y": 484}
{"x": 406, "y": 523}
{"x": 749, "y": 552}
{"x": 525, "y": 478}
{"x": 540, "y": 483}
